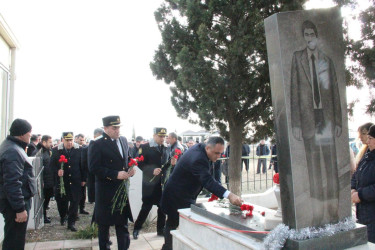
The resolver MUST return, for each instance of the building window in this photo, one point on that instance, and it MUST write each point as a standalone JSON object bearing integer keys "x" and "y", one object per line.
{"x": 4, "y": 101}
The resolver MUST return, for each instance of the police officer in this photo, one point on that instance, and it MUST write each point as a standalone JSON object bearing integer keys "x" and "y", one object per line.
{"x": 73, "y": 179}
{"x": 108, "y": 161}
{"x": 155, "y": 156}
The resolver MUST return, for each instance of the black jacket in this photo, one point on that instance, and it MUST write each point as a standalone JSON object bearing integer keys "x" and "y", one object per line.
{"x": 17, "y": 181}
{"x": 190, "y": 175}
{"x": 153, "y": 158}
{"x": 90, "y": 176}
{"x": 48, "y": 176}
{"x": 363, "y": 180}
{"x": 73, "y": 173}
{"x": 31, "y": 149}
{"x": 105, "y": 161}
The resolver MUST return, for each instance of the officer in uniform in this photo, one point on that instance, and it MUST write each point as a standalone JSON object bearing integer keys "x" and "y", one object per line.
{"x": 155, "y": 155}
{"x": 73, "y": 176}
{"x": 108, "y": 161}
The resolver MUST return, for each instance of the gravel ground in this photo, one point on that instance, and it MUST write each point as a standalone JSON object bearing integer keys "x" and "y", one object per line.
{"x": 54, "y": 231}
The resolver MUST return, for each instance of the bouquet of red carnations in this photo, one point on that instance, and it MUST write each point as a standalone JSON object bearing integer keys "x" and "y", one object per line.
{"x": 121, "y": 195}
{"x": 176, "y": 155}
{"x": 62, "y": 160}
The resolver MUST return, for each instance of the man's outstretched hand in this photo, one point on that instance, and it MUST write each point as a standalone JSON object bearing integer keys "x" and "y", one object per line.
{"x": 234, "y": 199}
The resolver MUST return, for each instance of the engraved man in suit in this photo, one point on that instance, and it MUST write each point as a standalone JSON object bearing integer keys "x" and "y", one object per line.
{"x": 316, "y": 119}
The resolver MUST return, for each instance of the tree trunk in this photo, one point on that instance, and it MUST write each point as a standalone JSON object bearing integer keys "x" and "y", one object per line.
{"x": 235, "y": 176}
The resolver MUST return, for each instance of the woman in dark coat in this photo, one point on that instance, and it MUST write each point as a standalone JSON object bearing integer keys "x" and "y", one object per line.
{"x": 363, "y": 187}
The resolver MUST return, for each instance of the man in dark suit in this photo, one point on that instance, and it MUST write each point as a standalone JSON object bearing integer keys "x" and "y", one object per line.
{"x": 108, "y": 160}
{"x": 316, "y": 119}
{"x": 73, "y": 178}
{"x": 190, "y": 175}
{"x": 155, "y": 156}
{"x": 90, "y": 177}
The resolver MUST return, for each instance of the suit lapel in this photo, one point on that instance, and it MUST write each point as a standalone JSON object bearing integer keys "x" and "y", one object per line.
{"x": 112, "y": 145}
{"x": 305, "y": 65}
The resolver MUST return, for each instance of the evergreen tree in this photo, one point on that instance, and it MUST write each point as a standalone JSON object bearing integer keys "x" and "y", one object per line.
{"x": 213, "y": 54}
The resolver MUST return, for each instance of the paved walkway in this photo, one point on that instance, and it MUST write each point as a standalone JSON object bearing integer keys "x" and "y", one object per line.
{"x": 147, "y": 241}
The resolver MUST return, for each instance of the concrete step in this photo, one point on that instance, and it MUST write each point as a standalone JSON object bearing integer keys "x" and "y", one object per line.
{"x": 181, "y": 242}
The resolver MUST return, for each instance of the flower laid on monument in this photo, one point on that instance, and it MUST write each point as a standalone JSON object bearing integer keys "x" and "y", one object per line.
{"x": 176, "y": 154}
{"x": 121, "y": 195}
{"x": 248, "y": 209}
{"x": 213, "y": 198}
{"x": 276, "y": 179}
{"x": 263, "y": 213}
{"x": 62, "y": 160}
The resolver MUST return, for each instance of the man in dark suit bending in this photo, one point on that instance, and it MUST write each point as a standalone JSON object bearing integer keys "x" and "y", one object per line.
{"x": 189, "y": 176}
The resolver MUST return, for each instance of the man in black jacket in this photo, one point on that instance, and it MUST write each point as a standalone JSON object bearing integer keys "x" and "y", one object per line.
{"x": 108, "y": 160}
{"x": 17, "y": 184}
{"x": 155, "y": 156}
{"x": 189, "y": 176}
{"x": 32, "y": 146}
{"x": 48, "y": 178}
{"x": 73, "y": 179}
{"x": 90, "y": 177}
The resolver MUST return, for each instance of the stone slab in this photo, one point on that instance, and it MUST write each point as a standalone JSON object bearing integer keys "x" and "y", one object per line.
{"x": 271, "y": 221}
{"x": 222, "y": 215}
{"x": 341, "y": 240}
{"x": 314, "y": 155}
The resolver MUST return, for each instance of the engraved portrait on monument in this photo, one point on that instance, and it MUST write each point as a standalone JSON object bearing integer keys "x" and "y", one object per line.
{"x": 316, "y": 120}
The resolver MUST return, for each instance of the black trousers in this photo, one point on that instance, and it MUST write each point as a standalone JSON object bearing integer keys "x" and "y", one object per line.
{"x": 142, "y": 216}
{"x": 83, "y": 199}
{"x": 48, "y": 194}
{"x": 91, "y": 187}
{"x": 67, "y": 206}
{"x": 246, "y": 162}
{"x": 14, "y": 232}
{"x": 173, "y": 221}
{"x": 122, "y": 234}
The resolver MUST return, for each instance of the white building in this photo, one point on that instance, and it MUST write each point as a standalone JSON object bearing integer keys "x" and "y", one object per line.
{"x": 8, "y": 47}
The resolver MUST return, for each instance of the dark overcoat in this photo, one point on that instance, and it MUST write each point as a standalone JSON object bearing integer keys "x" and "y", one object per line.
{"x": 90, "y": 176}
{"x": 190, "y": 175}
{"x": 105, "y": 161}
{"x": 154, "y": 157}
{"x": 48, "y": 173}
{"x": 73, "y": 173}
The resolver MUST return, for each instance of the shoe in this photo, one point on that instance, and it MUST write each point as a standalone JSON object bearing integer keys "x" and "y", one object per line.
{"x": 77, "y": 218}
{"x": 62, "y": 221}
{"x": 135, "y": 234}
{"x": 83, "y": 212}
{"x": 258, "y": 173}
{"x": 160, "y": 233}
{"x": 72, "y": 228}
{"x": 110, "y": 242}
{"x": 47, "y": 220}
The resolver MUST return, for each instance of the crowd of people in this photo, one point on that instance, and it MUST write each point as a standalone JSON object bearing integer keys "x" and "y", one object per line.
{"x": 72, "y": 166}
{"x": 173, "y": 176}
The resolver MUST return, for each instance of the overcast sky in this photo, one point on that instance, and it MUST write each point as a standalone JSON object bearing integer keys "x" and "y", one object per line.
{"x": 80, "y": 60}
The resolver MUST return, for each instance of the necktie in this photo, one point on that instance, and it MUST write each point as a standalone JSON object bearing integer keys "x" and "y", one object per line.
{"x": 315, "y": 82}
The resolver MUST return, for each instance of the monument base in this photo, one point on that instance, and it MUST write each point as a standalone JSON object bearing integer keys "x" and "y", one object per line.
{"x": 271, "y": 221}
{"x": 341, "y": 240}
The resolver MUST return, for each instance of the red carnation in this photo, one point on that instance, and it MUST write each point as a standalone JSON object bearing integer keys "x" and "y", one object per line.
{"x": 63, "y": 159}
{"x": 223, "y": 155}
{"x": 249, "y": 214}
{"x": 263, "y": 213}
{"x": 175, "y": 156}
{"x": 213, "y": 197}
{"x": 177, "y": 152}
{"x": 141, "y": 158}
{"x": 276, "y": 178}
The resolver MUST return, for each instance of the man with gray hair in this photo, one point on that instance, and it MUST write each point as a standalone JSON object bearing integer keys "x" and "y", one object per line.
{"x": 190, "y": 175}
